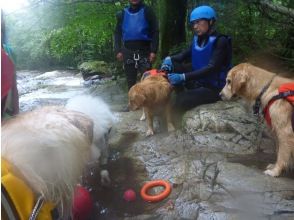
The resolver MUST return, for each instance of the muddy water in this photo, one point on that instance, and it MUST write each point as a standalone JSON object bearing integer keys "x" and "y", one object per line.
{"x": 125, "y": 173}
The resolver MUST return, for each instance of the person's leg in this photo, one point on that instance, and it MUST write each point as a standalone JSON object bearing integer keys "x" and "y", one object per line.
{"x": 129, "y": 67}
{"x": 130, "y": 72}
{"x": 144, "y": 64}
{"x": 191, "y": 98}
{"x": 131, "y": 75}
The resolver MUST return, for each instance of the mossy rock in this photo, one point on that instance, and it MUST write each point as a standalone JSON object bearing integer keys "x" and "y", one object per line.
{"x": 91, "y": 68}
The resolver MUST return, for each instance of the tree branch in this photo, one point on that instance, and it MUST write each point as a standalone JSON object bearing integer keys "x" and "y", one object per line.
{"x": 278, "y": 8}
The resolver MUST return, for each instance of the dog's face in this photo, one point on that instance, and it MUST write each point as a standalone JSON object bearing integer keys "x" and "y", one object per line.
{"x": 235, "y": 81}
{"x": 136, "y": 98}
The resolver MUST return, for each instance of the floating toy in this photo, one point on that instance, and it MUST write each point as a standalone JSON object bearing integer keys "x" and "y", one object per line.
{"x": 82, "y": 204}
{"x": 130, "y": 195}
{"x": 155, "y": 198}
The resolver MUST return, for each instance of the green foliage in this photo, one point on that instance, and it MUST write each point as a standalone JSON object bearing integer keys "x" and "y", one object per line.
{"x": 63, "y": 35}
{"x": 66, "y": 33}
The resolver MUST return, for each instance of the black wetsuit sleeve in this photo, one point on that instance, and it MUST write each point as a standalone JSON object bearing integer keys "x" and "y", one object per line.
{"x": 215, "y": 64}
{"x": 182, "y": 56}
{"x": 118, "y": 33}
{"x": 154, "y": 30}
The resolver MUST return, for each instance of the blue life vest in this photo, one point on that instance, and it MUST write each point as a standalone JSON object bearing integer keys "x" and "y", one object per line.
{"x": 215, "y": 80}
{"x": 135, "y": 26}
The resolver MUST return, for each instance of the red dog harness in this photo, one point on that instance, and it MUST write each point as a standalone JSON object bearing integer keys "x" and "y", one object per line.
{"x": 286, "y": 91}
{"x": 154, "y": 72}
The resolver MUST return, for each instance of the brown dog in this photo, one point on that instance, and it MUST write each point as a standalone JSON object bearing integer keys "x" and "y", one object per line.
{"x": 251, "y": 83}
{"x": 153, "y": 94}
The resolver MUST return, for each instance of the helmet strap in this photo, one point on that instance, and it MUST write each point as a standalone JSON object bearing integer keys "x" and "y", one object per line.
{"x": 211, "y": 23}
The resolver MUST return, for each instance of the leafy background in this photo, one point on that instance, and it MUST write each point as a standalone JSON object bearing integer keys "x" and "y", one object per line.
{"x": 64, "y": 33}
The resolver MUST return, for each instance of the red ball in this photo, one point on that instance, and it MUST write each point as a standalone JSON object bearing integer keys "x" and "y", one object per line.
{"x": 130, "y": 195}
{"x": 82, "y": 204}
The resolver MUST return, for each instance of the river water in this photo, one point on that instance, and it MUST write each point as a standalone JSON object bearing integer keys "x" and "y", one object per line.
{"x": 47, "y": 88}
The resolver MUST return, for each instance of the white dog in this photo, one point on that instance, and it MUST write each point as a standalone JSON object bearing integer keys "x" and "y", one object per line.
{"x": 103, "y": 119}
{"x": 45, "y": 151}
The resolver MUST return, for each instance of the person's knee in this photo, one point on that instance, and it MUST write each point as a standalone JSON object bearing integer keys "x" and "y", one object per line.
{"x": 181, "y": 103}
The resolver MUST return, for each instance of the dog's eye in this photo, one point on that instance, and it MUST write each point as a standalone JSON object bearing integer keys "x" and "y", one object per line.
{"x": 228, "y": 81}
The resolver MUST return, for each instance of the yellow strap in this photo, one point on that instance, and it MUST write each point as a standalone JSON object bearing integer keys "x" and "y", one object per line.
{"x": 21, "y": 195}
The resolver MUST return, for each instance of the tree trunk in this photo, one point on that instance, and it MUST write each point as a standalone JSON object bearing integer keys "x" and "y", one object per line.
{"x": 172, "y": 23}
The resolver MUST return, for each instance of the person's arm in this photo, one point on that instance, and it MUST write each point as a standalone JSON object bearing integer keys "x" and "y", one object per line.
{"x": 180, "y": 57}
{"x": 154, "y": 30}
{"x": 217, "y": 61}
{"x": 118, "y": 33}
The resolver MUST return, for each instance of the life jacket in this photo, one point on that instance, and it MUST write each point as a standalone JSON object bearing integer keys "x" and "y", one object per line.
{"x": 286, "y": 91}
{"x": 215, "y": 80}
{"x": 7, "y": 74}
{"x": 135, "y": 25}
{"x": 9, "y": 93}
{"x": 154, "y": 72}
{"x": 17, "y": 199}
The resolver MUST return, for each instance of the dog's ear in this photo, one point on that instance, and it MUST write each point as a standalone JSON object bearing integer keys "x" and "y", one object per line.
{"x": 239, "y": 78}
{"x": 140, "y": 98}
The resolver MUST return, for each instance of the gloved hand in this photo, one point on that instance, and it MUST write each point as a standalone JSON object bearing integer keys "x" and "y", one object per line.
{"x": 167, "y": 64}
{"x": 176, "y": 78}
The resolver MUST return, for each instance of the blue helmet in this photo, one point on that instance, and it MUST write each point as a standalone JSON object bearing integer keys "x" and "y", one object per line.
{"x": 202, "y": 12}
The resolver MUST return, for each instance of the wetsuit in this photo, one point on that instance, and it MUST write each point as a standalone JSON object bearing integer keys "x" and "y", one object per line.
{"x": 198, "y": 88}
{"x": 136, "y": 39}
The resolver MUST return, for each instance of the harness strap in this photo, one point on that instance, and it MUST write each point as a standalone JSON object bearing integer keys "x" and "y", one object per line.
{"x": 37, "y": 208}
{"x": 257, "y": 104}
{"x": 283, "y": 95}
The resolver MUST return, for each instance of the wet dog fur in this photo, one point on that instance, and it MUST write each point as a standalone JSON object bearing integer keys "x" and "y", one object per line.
{"x": 247, "y": 81}
{"x": 51, "y": 146}
{"x": 153, "y": 95}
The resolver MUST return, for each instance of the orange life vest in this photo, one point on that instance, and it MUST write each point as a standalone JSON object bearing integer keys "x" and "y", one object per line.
{"x": 286, "y": 91}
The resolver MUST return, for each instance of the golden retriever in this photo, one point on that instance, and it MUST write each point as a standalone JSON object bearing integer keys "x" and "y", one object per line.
{"x": 153, "y": 94}
{"x": 49, "y": 148}
{"x": 247, "y": 81}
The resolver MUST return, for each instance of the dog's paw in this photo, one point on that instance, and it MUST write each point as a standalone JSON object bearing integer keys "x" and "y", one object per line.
{"x": 170, "y": 127}
{"x": 149, "y": 132}
{"x": 272, "y": 172}
{"x": 270, "y": 166}
{"x": 105, "y": 179}
{"x": 143, "y": 117}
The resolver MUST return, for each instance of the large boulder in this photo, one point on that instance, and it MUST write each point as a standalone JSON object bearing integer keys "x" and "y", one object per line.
{"x": 226, "y": 127}
{"x": 92, "y": 68}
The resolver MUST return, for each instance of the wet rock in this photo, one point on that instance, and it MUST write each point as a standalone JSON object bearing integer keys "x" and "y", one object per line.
{"x": 205, "y": 184}
{"x": 91, "y": 68}
{"x": 224, "y": 127}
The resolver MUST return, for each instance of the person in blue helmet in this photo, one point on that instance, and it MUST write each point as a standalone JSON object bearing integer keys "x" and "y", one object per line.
{"x": 136, "y": 39}
{"x": 210, "y": 55}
